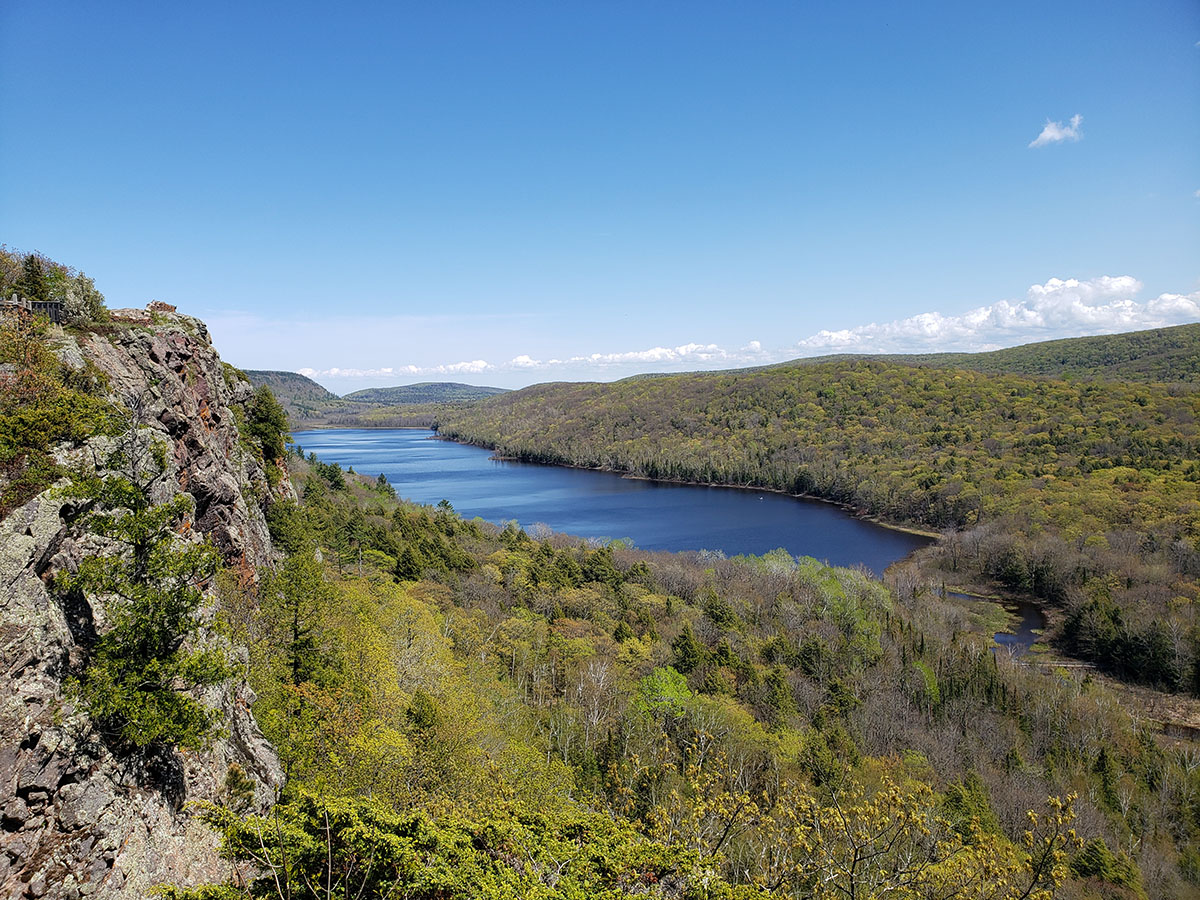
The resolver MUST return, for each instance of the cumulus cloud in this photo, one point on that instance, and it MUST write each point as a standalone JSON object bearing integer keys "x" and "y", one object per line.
{"x": 471, "y": 367}
{"x": 338, "y": 372}
{"x": 1057, "y": 132}
{"x": 680, "y": 356}
{"x": 692, "y": 355}
{"x": 1058, "y": 308}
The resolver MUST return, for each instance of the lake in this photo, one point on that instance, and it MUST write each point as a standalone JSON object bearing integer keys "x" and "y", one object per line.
{"x": 653, "y": 515}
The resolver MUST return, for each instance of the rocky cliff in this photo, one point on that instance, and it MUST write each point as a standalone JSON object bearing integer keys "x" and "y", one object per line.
{"x": 80, "y": 819}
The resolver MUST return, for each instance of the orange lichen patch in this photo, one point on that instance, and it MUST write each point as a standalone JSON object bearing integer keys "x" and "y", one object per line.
{"x": 245, "y": 573}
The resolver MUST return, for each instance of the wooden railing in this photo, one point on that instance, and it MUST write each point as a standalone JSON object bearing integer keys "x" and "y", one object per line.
{"x": 50, "y": 309}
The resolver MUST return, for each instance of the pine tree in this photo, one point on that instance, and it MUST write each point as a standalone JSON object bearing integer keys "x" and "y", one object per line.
{"x": 688, "y": 652}
{"x": 136, "y": 682}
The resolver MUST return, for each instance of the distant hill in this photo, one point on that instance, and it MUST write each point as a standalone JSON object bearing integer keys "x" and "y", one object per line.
{"x": 309, "y": 405}
{"x": 425, "y": 392}
{"x": 291, "y": 386}
{"x": 302, "y": 398}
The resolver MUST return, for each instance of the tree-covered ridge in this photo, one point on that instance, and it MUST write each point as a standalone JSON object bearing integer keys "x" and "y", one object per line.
{"x": 1076, "y": 492}
{"x": 291, "y": 387}
{"x": 1164, "y": 355}
{"x": 1167, "y": 355}
{"x": 466, "y": 711}
{"x": 425, "y": 392}
{"x": 308, "y": 405}
{"x": 938, "y": 447}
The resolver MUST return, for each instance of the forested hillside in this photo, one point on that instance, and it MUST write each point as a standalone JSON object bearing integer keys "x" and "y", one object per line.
{"x": 1168, "y": 355}
{"x": 425, "y": 392}
{"x": 1158, "y": 355}
{"x": 308, "y": 405}
{"x": 292, "y": 387}
{"x": 1085, "y": 494}
{"x": 465, "y": 711}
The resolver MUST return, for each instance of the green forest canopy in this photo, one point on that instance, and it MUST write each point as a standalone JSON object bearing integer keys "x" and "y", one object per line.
{"x": 1085, "y": 493}
{"x": 482, "y": 714}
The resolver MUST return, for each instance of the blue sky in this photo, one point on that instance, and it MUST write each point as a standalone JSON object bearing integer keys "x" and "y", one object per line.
{"x": 506, "y": 193}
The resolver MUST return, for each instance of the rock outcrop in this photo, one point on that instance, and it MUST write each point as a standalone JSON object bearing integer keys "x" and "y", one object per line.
{"x": 77, "y": 819}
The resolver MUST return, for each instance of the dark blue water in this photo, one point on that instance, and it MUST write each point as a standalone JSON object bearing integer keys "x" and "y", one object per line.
{"x": 654, "y": 515}
{"x": 1028, "y": 622}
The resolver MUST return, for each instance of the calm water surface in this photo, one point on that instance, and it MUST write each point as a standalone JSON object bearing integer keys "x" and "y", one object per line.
{"x": 654, "y": 515}
{"x": 1028, "y": 622}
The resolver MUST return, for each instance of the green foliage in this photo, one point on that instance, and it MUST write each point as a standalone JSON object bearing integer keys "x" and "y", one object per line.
{"x": 384, "y": 486}
{"x": 34, "y": 283}
{"x": 1052, "y": 482}
{"x": 292, "y": 602}
{"x": 290, "y": 527}
{"x": 135, "y": 682}
{"x": 1095, "y": 860}
{"x": 237, "y": 790}
{"x": 83, "y": 304}
{"x": 498, "y": 681}
{"x": 663, "y": 692}
{"x": 966, "y": 805}
{"x": 316, "y": 846}
{"x": 267, "y": 424}
{"x": 42, "y": 405}
{"x": 686, "y": 650}
{"x": 932, "y": 693}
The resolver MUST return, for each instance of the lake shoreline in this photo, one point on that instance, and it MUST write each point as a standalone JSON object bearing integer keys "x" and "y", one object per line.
{"x": 656, "y": 514}
{"x": 853, "y": 511}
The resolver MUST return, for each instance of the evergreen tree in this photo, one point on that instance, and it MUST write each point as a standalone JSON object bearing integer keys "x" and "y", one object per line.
{"x": 32, "y": 284}
{"x": 410, "y": 564}
{"x": 267, "y": 422}
{"x": 136, "y": 681}
{"x": 292, "y": 601}
{"x": 688, "y": 653}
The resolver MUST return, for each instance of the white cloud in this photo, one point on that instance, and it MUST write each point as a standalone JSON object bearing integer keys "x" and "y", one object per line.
{"x": 472, "y": 367}
{"x": 1196, "y": 194}
{"x": 338, "y": 372}
{"x": 683, "y": 354}
{"x": 1056, "y": 132}
{"x": 691, "y": 355}
{"x": 1058, "y": 308}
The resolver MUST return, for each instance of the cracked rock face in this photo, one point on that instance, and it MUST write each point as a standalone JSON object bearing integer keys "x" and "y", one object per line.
{"x": 76, "y": 820}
